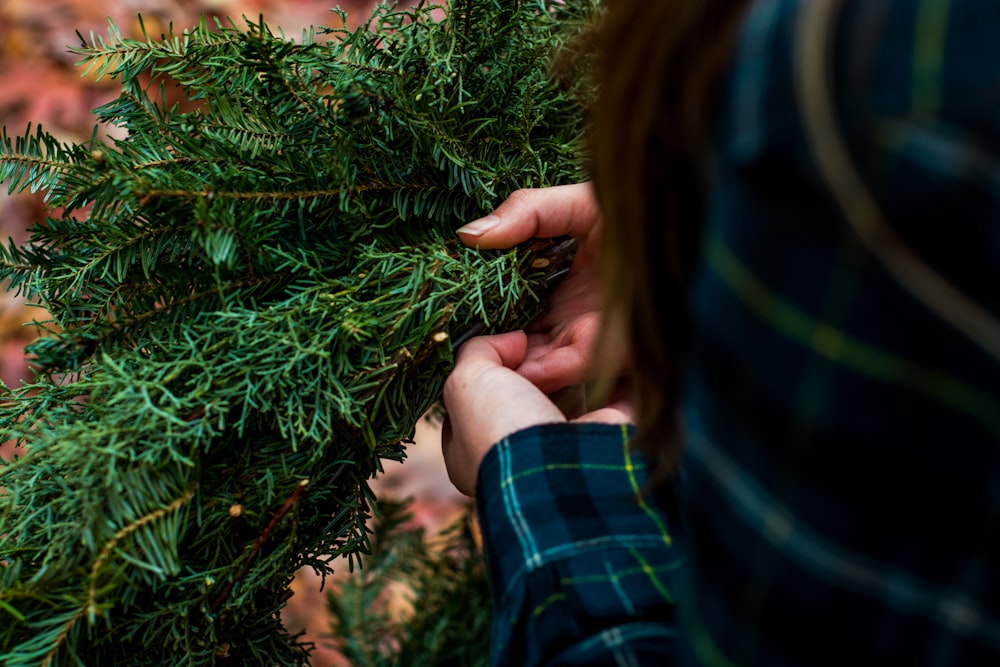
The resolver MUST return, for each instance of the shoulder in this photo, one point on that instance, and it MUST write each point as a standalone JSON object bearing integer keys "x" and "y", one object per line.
{"x": 912, "y": 89}
{"x": 931, "y": 59}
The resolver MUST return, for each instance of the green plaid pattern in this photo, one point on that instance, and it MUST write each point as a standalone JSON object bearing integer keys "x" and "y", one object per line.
{"x": 840, "y": 488}
{"x": 579, "y": 557}
{"x": 841, "y": 485}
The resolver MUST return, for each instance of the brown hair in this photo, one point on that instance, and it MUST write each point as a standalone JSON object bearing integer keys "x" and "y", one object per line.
{"x": 659, "y": 66}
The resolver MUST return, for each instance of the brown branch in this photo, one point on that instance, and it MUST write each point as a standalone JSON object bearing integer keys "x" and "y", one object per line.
{"x": 169, "y": 307}
{"x": 265, "y": 534}
{"x": 296, "y": 194}
{"x": 124, "y": 532}
{"x": 27, "y": 159}
{"x": 67, "y": 626}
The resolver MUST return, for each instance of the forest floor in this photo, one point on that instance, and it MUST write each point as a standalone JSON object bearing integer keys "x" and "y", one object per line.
{"x": 41, "y": 84}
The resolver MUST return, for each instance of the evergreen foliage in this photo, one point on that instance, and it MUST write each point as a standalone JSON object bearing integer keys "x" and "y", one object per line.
{"x": 253, "y": 296}
{"x": 444, "y": 579}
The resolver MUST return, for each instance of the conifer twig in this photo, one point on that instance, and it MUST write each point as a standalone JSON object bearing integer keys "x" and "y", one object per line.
{"x": 276, "y": 518}
{"x": 123, "y": 532}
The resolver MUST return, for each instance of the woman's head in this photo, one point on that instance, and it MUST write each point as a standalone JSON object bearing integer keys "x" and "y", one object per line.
{"x": 660, "y": 64}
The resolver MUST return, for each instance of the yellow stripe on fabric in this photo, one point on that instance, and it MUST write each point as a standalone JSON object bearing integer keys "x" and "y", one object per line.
{"x": 846, "y": 351}
{"x": 552, "y": 599}
{"x": 562, "y": 466}
{"x": 620, "y": 574}
{"x": 638, "y": 492}
{"x": 514, "y": 477}
{"x": 651, "y": 574}
{"x": 929, "y": 36}
{"x": 813, "y": 387}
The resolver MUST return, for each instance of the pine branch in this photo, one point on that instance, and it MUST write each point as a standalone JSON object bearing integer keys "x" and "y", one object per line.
{"x": 32, "y": 161}
{"x": 258, "y": 285}
{"x": 443, "y": 577}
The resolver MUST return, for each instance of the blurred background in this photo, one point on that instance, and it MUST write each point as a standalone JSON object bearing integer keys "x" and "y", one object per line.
{"x": 41, "y": 84}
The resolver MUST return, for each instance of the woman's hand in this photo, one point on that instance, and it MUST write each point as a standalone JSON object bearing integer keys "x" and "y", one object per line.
{"x": 487, "y": 400}
{"x": 560, "y": 341}
{"x": 502, "y": 384}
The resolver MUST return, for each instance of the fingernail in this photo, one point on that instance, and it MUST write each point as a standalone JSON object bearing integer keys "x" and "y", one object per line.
{"x": 480, "y": 226}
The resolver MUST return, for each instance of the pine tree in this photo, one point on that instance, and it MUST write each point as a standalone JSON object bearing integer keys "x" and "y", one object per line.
{"x": 444, "y": 579}
{"x": 250, "y": 300}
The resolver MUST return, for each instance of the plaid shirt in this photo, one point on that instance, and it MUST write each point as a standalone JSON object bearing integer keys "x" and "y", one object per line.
{"x": 579, "y": 558}
{"x": 839, "y": 498}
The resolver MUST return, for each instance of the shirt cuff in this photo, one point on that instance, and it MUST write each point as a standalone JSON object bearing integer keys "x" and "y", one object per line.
{"x": 575, "y": 543}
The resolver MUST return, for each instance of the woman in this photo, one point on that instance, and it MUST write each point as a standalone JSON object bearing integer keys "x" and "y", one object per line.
{"x": 800, "y": 267}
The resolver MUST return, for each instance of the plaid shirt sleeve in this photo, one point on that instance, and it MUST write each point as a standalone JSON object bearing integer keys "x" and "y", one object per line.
{"x": 841, "y": 480}
{"x": 579, "y": 555}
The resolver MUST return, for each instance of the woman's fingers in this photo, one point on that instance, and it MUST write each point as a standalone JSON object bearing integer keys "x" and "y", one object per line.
{"x": 486, "y": 400}
{"x": 563, "y": 210}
